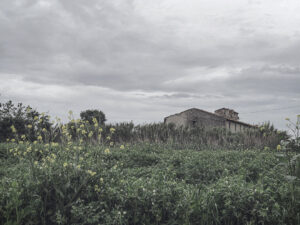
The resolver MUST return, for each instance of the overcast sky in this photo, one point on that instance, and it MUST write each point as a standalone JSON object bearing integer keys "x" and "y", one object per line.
{"x": 141, "y": 60}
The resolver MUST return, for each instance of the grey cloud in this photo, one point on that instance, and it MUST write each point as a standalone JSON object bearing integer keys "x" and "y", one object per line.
{"x": 111, "y": 44}
{"x": 182, "y": 95}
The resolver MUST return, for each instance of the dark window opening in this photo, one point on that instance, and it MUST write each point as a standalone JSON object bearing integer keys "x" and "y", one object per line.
{"x": 194, "y": 123}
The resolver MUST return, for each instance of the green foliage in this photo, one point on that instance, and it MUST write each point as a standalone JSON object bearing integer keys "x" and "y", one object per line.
{"x": 19, "y": 117}
{"x": 34, "y": 125}
{"x": 293, "y": 143}
{"x": 85, "y": 172}
{"x": 89, "y": 114}
{"x": 143, "y": 184}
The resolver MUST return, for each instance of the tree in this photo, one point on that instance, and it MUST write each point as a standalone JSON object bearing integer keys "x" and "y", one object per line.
{"x": 19, "y": 117}
{"x": 93, "y": 113}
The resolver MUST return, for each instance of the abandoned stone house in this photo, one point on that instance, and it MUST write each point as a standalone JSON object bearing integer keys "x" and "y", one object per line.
{"x": 226, "y": 118}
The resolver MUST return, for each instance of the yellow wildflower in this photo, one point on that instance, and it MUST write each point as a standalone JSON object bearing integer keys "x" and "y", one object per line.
{"x": 278, "y": 147}
{"x": 80, "y": 158}
{"x": 65, "y": 164}
{"x": 83, "y": 132}
{"x": 107, "y": 151}
{"x": 39, "y": 138}
{"x": 7, "y": 139}
{"x": 111, "y": 143}
{"x": 35, "y": 162}
{"x": 90, "y": 134}
{"x": 122, "y": 147}
{"x": 28, "y": 109}
{"x": 13, "y": 140}
{"x": 78, "y": 166}
{"x": 112, "y": 130}
{"x": 36, "y": 118}
{"x": 23, "y": 137}
{"x": 288, "y": 119}
{"x": 82, "y": 126}
{"x": 29, "y": 126}
{"x": 101, "y": 180}
{"x": 35, "y": 142}
{"x": 91, "y": 172}
{"x": 100, "y": 129}
{"x": 13, "y": 129}
{"x": 108, "y": 137}
{"x": 54, "y": 144}
{"x": 44, "y": 130}
{"x": 97, "y": 189}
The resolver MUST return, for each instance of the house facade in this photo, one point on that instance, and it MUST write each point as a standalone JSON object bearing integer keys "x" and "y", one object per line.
{"x": 223, "y": 118}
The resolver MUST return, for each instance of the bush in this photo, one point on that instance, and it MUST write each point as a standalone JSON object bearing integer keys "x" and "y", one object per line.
{"x": 15, "y": 120}
{"x": 73, "y": 183}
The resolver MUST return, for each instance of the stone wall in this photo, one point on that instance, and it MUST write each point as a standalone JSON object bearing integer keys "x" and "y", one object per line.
{"x": 200, "y": 118}
{"x": 236, "y": 127}
{"x": 177, "y": 119}
{"x": 196, "y": 118}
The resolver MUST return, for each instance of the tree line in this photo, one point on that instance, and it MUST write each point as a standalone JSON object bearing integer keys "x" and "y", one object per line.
{"x": 24, "y": 120}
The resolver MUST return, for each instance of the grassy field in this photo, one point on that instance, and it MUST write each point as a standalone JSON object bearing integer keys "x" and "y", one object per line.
{"x": 143, "y": 184}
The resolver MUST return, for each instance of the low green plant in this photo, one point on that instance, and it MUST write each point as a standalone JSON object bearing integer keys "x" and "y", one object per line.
{"x": 78, "y": 173}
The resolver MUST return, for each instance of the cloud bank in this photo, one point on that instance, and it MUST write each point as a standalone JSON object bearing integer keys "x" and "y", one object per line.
{"x": 143, "y": 60}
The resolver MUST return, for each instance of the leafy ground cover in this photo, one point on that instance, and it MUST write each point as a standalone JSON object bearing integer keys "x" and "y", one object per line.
{"x": 143, "y": 184}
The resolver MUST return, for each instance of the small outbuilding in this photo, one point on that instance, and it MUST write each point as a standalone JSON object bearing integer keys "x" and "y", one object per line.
{"x": 223, "y": 118}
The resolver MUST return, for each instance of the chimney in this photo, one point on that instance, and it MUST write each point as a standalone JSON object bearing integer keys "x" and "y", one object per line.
{"x": 227, "y": 113}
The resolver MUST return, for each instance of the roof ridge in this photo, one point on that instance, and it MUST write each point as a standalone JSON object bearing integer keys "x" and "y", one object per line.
{"x": 237, "y": 121}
